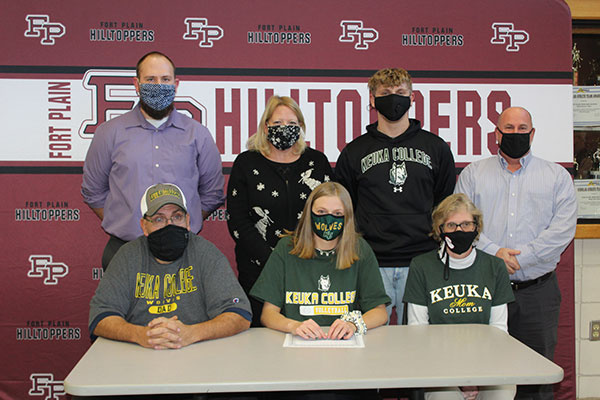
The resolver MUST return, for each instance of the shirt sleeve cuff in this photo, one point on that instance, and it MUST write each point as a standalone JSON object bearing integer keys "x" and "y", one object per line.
{"x": 97, "y": 320}
{"x": 526, "y": 258}
{"x": 243, "y": 313}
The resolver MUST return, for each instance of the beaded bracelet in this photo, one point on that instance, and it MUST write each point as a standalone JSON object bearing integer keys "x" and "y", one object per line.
{"x": 355, "y": 317}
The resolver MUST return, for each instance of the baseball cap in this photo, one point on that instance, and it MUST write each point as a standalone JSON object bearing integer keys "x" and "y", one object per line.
{"x": 160, "y": 194}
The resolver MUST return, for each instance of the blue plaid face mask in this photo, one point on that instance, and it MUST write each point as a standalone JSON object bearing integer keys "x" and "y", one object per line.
{"x": 157, "y": 96}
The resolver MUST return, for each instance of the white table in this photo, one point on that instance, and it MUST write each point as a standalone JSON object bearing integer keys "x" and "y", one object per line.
{"x": 394, "y": 357}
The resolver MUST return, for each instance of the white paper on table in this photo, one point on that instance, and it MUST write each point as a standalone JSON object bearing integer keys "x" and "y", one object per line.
{"x": 356, "y": 341}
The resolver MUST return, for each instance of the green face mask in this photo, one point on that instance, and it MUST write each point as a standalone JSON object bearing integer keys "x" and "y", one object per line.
{"x": 327, "y": 226}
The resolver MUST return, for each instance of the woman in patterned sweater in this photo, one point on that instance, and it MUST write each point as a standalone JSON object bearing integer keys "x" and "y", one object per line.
{"x": 268, "y": 186}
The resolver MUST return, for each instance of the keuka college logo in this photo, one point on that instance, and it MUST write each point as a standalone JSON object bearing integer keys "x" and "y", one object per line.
{"x": 505, "y": 33}
{"x": 45, "y": 385}
{"x": 398, "y": 175}
{"x": 354, "y": 32}
{"x": 42, "y": 266}
{"x": 199, "y": 29}
{"x": 324, "y": 283}
{"x": 40, "y": 26}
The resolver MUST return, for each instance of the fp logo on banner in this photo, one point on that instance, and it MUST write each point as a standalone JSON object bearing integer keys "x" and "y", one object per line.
{"x": 113, "y": 94}
{"x": 40, "y": 26}
{"x": 353, "y": 31}
{"x": 43, "y": 267}
{"x": 45, "y": 385}
{"x": 198, "y": 28}
{"x": 505, "y": 33}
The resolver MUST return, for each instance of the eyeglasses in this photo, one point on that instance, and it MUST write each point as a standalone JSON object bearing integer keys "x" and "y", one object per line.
{"x": 465, "y": 226}
{"x": 160, "y": 220}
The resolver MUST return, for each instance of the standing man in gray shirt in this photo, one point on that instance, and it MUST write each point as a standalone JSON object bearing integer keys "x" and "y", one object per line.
{"x": 529, "y": 218}
{"x": 169, "y": 288}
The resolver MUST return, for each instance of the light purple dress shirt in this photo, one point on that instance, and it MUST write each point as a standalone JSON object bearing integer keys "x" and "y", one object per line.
{"x": 533, "y": 209}
{"x": 128, "y": 154}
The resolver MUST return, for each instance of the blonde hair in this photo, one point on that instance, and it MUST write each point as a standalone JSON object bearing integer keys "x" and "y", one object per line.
{"x": 389, "y": 77}
{"x": 259, "y": 142}
{"x": 303, "y": 241}
{"x": 450, "y": 205}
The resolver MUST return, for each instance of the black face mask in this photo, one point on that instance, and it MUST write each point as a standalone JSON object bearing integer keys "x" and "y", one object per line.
{"x": 515, "y": 145}
{"x": 283, "y": 136}
{"x": 459, "y": 242}
{"x": 392, "y": 106}
{"x": 168, "y": 243}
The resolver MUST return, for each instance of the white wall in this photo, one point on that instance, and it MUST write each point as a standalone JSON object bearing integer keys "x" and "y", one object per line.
{"x": 587, "y": 308}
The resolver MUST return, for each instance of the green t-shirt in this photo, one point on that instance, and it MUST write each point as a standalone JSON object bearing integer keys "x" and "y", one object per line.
{"x": 467, "y": 297}
{"x": 315, "y": 289}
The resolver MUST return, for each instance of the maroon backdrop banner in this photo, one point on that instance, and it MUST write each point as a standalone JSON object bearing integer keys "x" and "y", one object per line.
{"x": 68, "y": 67}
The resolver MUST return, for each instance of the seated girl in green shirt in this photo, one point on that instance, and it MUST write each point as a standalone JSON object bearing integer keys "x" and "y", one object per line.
{"x": 323, "y": 274}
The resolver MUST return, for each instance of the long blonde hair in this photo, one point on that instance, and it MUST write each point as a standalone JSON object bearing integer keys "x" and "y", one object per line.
{"x": 303, "y": 241}
{"x": 259, "y": 142}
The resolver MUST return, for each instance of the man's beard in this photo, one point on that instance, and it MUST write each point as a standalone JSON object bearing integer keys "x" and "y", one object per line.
{"x": 155, "y": 114}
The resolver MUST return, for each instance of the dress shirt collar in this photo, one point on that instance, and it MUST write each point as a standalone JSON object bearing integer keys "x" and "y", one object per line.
{"x": 524, "y": 161}
{"x": 137, "y": 119}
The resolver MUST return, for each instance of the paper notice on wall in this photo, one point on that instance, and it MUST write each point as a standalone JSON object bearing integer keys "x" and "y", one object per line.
{"x": 586, "y": 105}
{"x": 588, "y": 198}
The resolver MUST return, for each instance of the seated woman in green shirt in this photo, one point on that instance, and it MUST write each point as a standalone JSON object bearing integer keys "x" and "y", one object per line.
{"x": 458, "y": 284}
{"x": 323, "y": 274}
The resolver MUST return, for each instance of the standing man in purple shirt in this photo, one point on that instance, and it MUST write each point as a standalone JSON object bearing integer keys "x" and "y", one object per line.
{"x": 151, "y": 143}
